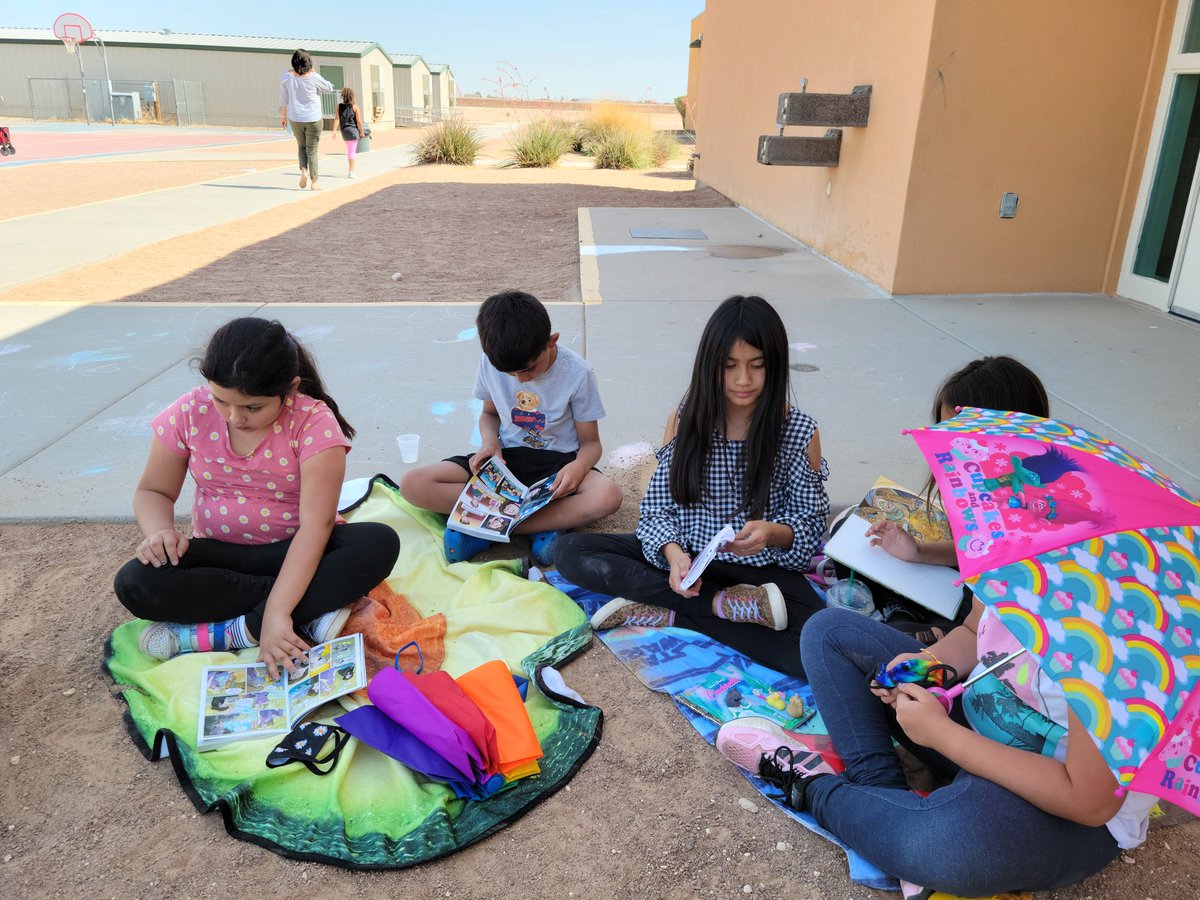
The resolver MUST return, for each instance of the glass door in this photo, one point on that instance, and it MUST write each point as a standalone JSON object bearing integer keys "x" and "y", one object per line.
{"x": 1163, "y": 253}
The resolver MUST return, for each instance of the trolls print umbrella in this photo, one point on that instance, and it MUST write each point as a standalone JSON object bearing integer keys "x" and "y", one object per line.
{"x": 1089, "y": 556}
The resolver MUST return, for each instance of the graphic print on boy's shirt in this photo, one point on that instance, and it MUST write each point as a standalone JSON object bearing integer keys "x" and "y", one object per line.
{"x": 526, "y": 415}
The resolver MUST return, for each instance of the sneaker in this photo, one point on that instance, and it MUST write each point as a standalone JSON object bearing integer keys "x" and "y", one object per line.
{"x": 328, "y": 626}
{"x": 541, "y": 544}
{"x": 459, "y": 547}
{"x": 303, "y": 178}
{"x": 618, "y": 612}
{"x": 761, "y": 747}
{"x": 754, "y": 605}
{"x": 352, "y": 175}
{"x": 162, "y": 640}
{"x": 165, "y": 640}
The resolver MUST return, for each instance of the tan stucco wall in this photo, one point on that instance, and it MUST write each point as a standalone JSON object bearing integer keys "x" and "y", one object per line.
{"x": 753, "y": 50}
{"x": 1052, "y": 101}
{"x": 693, "y": 82}
{"x": 1038, "y": 98}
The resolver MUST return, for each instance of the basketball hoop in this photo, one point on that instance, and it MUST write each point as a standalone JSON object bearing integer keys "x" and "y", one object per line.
{"x": 72, "y": 29}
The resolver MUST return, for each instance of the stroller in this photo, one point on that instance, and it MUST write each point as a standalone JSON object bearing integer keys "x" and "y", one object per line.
{"x": 6, "y": 144}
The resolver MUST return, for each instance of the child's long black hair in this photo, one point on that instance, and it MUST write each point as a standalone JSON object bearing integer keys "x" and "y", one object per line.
{"x": 991, "y": 382}
{"x": 753, "y": 320}
{"x": 260, "y": 358}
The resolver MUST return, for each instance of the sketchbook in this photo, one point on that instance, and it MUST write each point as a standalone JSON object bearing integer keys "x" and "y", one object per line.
{"x": 728, "y": 693}
{"x": 937, "y": 588}
{"x": 494, "y": 500}
{"x": 700, "y": 563}
{"x": 242, "y": 701}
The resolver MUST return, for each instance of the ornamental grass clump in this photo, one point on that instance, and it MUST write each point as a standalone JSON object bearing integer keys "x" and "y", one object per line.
{"x": 541, "y": 144}
{"x": 451, "y": 141}
{"x": 621, "y": 150}
{"x": 663, "y": 147}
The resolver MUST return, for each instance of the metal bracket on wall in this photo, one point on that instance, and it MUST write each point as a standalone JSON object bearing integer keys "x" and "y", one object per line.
{"x": 843, "y": 110}
{"x": 777, "y": 150}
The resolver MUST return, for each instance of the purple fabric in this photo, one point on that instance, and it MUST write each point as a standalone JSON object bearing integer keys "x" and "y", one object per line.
{"x": 396, "y": 697}
{"x": 443, "y": 692}
{"x": 371, "y": 726}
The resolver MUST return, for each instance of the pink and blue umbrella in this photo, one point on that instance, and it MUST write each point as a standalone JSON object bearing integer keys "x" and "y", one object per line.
{"x": 1090, "y": 557}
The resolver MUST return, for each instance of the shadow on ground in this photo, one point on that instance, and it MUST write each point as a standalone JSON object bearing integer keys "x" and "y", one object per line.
{"x": 520, "y": 236}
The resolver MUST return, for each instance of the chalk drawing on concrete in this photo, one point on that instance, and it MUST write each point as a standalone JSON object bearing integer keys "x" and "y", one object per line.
{"x": 6, "y": 349}
{"x": 88, "y": 362}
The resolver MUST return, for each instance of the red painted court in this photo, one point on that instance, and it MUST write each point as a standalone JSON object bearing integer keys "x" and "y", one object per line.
{"x": 58, "y": 142}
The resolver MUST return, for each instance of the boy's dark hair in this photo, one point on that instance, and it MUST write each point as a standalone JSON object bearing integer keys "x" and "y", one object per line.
{"x": 514, "y": 328}
{"x": 301, "y": 62}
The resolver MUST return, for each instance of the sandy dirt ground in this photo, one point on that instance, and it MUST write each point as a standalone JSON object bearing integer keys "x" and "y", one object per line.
{"x": 653, "y": 813}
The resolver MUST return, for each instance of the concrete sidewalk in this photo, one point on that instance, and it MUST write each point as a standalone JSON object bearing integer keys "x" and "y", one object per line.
{"x": 45, "y": 244}
{"x": 81, "y": 382}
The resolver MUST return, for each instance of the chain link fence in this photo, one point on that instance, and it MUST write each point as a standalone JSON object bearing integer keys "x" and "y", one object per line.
{"x": 127, "y": 100}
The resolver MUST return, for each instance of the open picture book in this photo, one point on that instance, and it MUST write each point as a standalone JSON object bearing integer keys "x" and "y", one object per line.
{"x": 728, "y": 693}
{"x": 241, "y": 701}
{"x": 494, "y": 500}
{"x": 936, "y": 588}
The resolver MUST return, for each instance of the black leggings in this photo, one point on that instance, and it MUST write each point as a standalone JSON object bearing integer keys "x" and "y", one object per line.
{"x": 614, "y": 564}
{"x": 216, "y": 580}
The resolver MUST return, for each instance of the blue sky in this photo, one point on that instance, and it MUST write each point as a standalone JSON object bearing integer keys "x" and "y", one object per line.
{"x": 627, "y": 49}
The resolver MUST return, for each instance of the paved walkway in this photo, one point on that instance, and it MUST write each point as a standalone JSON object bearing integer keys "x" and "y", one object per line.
{"x": 80, "y": 383}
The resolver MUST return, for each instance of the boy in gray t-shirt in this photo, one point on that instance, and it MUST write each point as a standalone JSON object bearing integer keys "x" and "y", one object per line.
{"x": 541, "y": 407}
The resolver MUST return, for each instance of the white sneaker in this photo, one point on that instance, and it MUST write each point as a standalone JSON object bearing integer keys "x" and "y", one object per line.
{"x": 352, "y": 175}
{"x": 328, "y": 626}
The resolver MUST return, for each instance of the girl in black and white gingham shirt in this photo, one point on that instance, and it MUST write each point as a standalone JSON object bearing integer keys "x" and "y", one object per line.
{"x": 737, "y": 453}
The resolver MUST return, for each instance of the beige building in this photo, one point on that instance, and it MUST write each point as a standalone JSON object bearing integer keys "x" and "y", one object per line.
{"x": 413, "y": 86}
{"x": 444, "y": 93}
{"x": 1085, "y": 114}
{"x": 238, "y": 76}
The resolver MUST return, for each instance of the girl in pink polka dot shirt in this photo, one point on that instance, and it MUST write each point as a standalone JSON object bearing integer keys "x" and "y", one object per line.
{"x": 268, "y": 562}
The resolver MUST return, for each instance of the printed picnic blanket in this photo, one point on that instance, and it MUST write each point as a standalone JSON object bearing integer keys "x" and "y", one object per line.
{"x": 371, "y": 812}
{"x": 670, "y": 660}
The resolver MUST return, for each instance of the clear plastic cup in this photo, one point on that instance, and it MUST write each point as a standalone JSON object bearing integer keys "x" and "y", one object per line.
{"x": 851, "y": 594}
{"x": 408, "y": 444}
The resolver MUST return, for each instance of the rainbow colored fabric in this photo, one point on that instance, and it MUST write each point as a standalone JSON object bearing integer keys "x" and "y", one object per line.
{"x": 1090, "y": 557}
{"x": 371, "y": 812}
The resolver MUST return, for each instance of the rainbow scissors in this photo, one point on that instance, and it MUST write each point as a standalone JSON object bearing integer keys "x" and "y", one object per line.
{"x": 914, "y": 671}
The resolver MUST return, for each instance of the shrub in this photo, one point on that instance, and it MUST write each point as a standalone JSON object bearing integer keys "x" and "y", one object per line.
{"x": 451, "y": 141}
{"x": 540, "y": 144}
{"x": 607, "y": 119}
{"x": 663, "y": 147}
{"x": 619, "y": 149}
{"x": 681, "y": 105}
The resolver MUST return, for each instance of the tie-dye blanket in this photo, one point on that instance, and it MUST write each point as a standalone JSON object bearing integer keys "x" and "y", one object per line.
{"x": 371, "y": 812}
{"x": 669, "y": 660}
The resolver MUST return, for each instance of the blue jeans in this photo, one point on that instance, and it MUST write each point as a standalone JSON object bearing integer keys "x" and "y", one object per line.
{"x": 971, "y": 838}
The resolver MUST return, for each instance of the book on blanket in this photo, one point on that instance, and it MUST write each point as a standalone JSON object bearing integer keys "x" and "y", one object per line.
{"x": 242, "y": 701}
{"x": 494, "y": 500}
{"x": 728, "y": 693}
{"x": 934, "y": 587}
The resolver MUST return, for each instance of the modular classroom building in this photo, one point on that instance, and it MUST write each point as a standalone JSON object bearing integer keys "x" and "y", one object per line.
{"x": 1015, "y": 147}
{"x": 238, "y": 77}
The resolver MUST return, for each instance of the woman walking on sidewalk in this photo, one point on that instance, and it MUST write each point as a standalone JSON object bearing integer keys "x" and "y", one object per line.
{"x": 300, "y": 103}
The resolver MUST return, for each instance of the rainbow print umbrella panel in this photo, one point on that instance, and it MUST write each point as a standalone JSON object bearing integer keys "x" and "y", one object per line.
{"x": 1090, "y": 558}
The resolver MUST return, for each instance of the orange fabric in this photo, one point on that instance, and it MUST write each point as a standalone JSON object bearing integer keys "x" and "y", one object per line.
{"x": 491, "y": 687}
{"x": 387, "y": 621}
